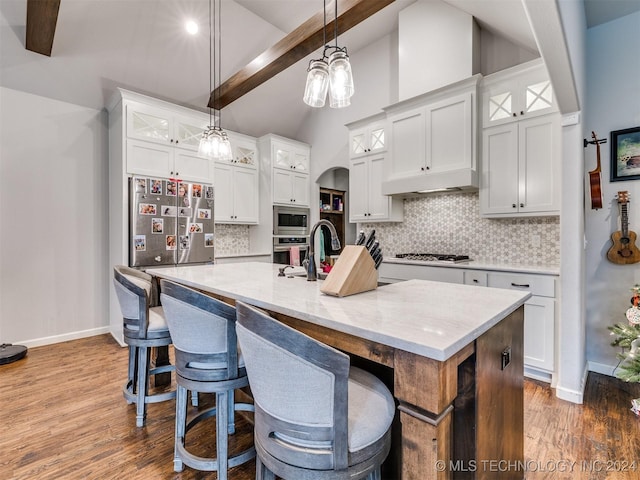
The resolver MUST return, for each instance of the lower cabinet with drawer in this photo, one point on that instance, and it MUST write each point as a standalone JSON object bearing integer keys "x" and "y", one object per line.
{"x": 539, "y": 319}
{"x": 539, "y": 310}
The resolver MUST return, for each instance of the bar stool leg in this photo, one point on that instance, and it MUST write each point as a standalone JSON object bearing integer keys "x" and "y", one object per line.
{"x": 143, "y": 385}
{"x": 222, "y": 440}
{"x": 181, "y": 425}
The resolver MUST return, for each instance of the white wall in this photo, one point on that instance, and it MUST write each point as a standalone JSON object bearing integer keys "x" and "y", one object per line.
{"x": 54, "y": 216}
{"x": 613, "y": 88}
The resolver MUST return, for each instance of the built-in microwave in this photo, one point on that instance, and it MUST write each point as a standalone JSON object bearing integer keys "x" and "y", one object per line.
{"x": 290, "y": 221}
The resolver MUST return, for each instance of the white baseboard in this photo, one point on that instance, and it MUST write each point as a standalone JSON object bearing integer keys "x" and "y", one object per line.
{"x": 602, "y": 368}
{"x": 574, "y": 396}
{"x": 38, "y": 342}
{"x": 530, "y": 372}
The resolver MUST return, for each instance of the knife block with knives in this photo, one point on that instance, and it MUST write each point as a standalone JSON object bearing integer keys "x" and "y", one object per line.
{"x": 355, "y": 271}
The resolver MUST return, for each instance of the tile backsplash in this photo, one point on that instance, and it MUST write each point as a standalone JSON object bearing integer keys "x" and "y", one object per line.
{"x": 451, "y": 224}
{"x": 231, "y": 240}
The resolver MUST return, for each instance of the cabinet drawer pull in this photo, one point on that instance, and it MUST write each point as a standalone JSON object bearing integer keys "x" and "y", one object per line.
{"x": 522, "y": 285}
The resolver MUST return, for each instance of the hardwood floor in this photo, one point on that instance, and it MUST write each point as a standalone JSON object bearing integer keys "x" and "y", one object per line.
{"x": 63, "y": 416}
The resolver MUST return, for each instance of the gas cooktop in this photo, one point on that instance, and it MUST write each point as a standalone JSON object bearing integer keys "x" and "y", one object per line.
{"x": 434, "y": 257}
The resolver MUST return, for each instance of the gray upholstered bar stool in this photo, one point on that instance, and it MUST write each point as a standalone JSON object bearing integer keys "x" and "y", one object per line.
{"x": 207, "y": 361}
{"x": 144, "y": 327}
{"x": 316, "y": 417}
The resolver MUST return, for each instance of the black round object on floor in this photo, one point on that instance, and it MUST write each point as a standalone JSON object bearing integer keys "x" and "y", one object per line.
{"x": 11, "y": 353}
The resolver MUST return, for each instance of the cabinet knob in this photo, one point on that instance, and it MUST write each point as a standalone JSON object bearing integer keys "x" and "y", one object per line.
{"x": 171, "y": 140}
{"x": 171, "y": 173}
{"x": 422, "y": 168}
{"x": 521, "y": 112}
{"x": 522, "y": 205}
{"x": 427, "y": 167}
{"x": 176, "y": 142}
{"x": 177, "y": 173}
{"x": 513, "y": 205}
{"x": 515, "y": 114}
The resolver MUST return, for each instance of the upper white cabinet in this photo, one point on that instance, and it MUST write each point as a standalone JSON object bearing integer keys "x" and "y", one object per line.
{"x": 236, "y": 183}
{"x": 432, "y": 140}
{"x": 521, "y": 168}
{"x": 288, "y": 155}
{"x": 236, "y": 193}
{"x": 367, "y": 170}
{"x": 289, "y": 164}
{"x": 161, "y": 140}
{"x": 523, "y": 91}
{"x": 368, "y": 204}
{"x": 369, "y": 138}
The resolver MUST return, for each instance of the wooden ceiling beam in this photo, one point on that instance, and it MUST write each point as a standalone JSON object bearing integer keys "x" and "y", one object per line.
{"x": 295, "y": 46}
{"x": 42, "y": 16}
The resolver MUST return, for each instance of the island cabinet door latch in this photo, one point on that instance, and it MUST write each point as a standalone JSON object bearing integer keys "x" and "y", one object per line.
{"x": 506, "y": 357}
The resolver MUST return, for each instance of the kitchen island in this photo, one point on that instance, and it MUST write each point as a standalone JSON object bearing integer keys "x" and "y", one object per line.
{"x": 455, "y": 352}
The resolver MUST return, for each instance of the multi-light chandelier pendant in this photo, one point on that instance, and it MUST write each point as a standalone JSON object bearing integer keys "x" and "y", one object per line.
{"x": 215, "y": 142}
{"x": 330, "y": 73}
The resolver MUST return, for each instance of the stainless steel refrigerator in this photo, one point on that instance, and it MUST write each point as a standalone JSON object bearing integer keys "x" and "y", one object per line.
{"x": 170, "y": 222}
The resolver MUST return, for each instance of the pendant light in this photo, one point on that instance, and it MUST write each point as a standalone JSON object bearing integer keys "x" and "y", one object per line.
{"x": 215, "y": 142}
{"x": 332, "y": 74}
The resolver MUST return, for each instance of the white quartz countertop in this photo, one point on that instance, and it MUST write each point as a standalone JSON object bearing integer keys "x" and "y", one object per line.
{"x": 484, "y": 265}
{"x": 432, "y": 319}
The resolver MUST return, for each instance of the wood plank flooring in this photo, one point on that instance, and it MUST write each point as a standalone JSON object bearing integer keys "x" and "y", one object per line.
{"x": 63, "y": 416}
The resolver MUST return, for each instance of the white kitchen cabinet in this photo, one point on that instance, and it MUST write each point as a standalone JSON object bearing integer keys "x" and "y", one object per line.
{"x": 475, "y": 277}
{"x": 521, "y": 168}
{"x": 433, "y": 140}
{"x": 164, "y": 126}
{"x": 539, "y": 311}
{"x": 236, "y": 183}
{"x": 236, "y": 193}
{"x": 290, "y": 188}
{"x": 162, "y": 140}
{"x": 523, "y": 91}
{"x": 367, "y": 171}
{"x": 289, "y": 155}
{"x": 368, "y": 138}
{"x": 368, "y": 204}
{"x": 393, "y": 272}
{"x": 539, "y": 316}
{"x": 244, "y": 149}
{"x": 161, "y": 161}
{"x": 288, "y": 162}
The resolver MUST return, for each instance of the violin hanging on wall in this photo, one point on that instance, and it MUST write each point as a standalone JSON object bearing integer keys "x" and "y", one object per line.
{"x": 624, "y": 250}
{"x": 594, "y": 175}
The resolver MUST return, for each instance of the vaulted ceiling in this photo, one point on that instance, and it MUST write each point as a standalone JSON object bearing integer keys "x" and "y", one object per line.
{"x": 142, "y": 45}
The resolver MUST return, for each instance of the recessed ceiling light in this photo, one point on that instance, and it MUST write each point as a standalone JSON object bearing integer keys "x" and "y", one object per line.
{"x": 192, "y": 27}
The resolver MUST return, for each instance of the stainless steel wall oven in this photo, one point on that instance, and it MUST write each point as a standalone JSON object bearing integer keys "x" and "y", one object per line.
{"x": 282, "y": 249}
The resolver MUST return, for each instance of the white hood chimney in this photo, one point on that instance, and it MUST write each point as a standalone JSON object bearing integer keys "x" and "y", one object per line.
{"x": 438, "y": 45}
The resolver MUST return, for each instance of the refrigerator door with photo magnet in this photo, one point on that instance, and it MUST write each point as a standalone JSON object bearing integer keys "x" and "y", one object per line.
{"x": 171, "y": 222}
{"x": 195, "y": 223}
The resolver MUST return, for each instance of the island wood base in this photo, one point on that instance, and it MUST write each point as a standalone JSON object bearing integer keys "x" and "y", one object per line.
{"x": 461, "y": 418}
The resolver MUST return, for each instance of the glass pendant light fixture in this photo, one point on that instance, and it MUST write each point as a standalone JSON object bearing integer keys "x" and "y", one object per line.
{"x": 215, "y": 142}
{"x": 332, "y": 73}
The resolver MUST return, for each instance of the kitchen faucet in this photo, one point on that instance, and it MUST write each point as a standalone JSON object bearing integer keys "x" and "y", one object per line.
{"x": 312, "y": 273}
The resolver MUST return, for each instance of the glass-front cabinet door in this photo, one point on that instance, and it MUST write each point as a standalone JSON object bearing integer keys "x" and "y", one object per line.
{"x": 148, "y": 123}
{"x": 187, "y": 132}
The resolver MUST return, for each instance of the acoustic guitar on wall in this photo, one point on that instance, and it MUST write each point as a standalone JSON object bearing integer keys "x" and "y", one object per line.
{"x": 624, "y": 250}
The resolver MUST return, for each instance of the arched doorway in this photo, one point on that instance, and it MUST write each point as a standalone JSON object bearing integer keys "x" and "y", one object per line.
{"x": 336, "y": 179}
